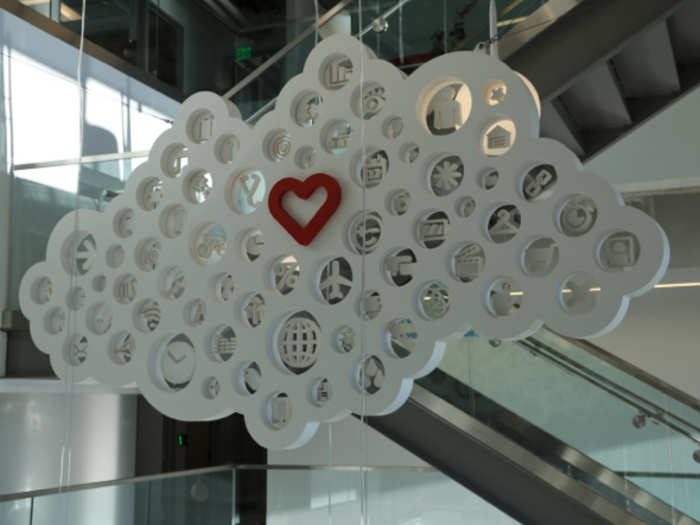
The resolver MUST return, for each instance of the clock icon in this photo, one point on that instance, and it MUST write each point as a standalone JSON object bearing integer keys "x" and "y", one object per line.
{"x": 176, "y": 362}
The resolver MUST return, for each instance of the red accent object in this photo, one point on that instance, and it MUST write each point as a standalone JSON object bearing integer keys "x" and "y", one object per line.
{"x": 304, "y": 189}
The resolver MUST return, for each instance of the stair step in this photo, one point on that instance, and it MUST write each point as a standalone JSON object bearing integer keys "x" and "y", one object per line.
{"x": 595, "y": 102}
{"x": 646, "y": 67}
{"x": 554, "y": 125}
{"x": 685, "y": 36}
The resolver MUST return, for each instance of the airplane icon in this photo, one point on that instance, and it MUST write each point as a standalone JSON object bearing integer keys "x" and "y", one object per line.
{"x": 332, "y": 284}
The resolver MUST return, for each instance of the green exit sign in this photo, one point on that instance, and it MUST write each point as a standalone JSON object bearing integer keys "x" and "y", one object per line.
{"x": 244, "y": 53}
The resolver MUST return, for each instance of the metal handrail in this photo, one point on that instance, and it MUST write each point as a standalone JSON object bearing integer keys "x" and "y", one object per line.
{"x": 634, "y": 371}
{"x": 644, "y": 406}
{"x": 204, "y": 471}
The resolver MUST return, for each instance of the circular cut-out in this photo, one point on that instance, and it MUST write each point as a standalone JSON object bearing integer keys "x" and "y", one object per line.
{"x": 504, "y": 298}
{"x": 504, "y": 223}
{"x": 399, "y": 266}
{"x": 122, "y": 223}
{"x": 619, "y": 251}
{"x": 370, "y": 304}
{"x": 198, "y": 186}
{"x": 151, "y": 194}
{"x": 174, "y": 283}
{"x": 285, "y": 274}
{"x": 80, "y": 253}
{"x": 369, "y": 100}
{"x": 495, "y": 92}
{"x": 321, "y": 392}
{"x": 446, "y": 174}
{"x": 125, "y": 289}
{"x": 337, "y": 137}
{"x": 249, "y": 378}
{"x": 393, "y": 127}
{"x": 252, "y": 245}
{"x": 196, "y": 312}
{"x": 409, "y": 153}
{"x": 345, "y": 339}
{"x": 466, "y": 206}
{"x": 498, "y": 138}
{"x": 77, "y": 350}
{"x": 577, "y": 216}
{"x": 298, "y": 342}
{"x": 223, "y": 343}
{"x": 100, "y": 318}
{"x": 375, "y": 169}
{"x": 468, "y": 262}
{"x": 227, "y": 149}
{"x": 307, "y": 109}
{"x": 247, "y": 191}
{"x": 148, "y": 254}
{"x": 579, "y": 294}
{"x": 488, "y": 179}
{"x": 369, "y": 375}
{"x": 401, "y": 337}
{"x": 399, "y": 202}
{"x": 335, "y": 280}
{"x": 538, "y": 182}
{"x": 76, "y": 298}
{"x": 115, "y": 256}
{"x": 365, "y": 231}
{"x": 305, "y": 157}
{"x": 148, "y": 315}
{"x": 277, "y": 145}
{"x": 432, "y": 229}
{"x": 42, "y": 290}
{"x": 123, "y": 348}
{"x": 174, "y": 160}
{"x": 176, "y": 362}
{"x": 209, "y": 244}
{"x": 224, "y": 287}
{"x": 253, "y": 310}
{"x": 212, "y": 387}
{"x": 445, "y": 107}
{"x": 56, "y": 321}
{"x": 540, "y": 257}
{"x": 200, "y": 126}
{"x": 279, "y": 411}
{"x": 336, "y": 72}
{"x": 434, "y": 300}
{"x": 173, "y": 221}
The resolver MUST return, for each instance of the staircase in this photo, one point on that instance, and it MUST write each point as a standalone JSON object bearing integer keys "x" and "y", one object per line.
{"x": 618, "y": 63}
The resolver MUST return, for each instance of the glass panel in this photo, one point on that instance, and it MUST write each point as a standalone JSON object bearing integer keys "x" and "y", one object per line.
{"x": 17, "y": 512}
{"x": 197, "y": 498}
{"x": 593, "y": 418}
{"x": 394, "y": 498}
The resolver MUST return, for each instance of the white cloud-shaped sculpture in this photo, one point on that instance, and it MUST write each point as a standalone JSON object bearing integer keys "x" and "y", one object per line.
{"x": 188, "y": 286}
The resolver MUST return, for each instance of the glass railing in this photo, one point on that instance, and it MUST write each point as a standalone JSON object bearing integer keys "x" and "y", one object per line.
{"x": 394, "y": 496}
{"x": 406, "y": 33}
{"x": 624, "y": 423}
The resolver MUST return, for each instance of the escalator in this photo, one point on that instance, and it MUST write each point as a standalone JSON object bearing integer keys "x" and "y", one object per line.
{"x": 516, "y": 458}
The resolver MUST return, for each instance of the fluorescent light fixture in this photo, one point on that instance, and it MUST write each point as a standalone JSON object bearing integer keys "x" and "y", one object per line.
{"x": 656, "y": 286}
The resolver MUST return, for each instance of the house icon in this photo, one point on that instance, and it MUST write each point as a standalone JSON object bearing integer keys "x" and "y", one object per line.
{"x": 498, "y": 138}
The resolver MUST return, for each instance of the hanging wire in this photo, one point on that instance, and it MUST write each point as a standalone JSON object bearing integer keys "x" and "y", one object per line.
{"x": 363, "y": 291}
{"x": 316, "y": 31}
{"x": 444, "y": 26}
{"x": 66, "y": 447}
{"x": 329, "y": 483}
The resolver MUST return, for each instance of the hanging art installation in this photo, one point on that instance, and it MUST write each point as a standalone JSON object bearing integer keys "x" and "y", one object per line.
{"x": 318, "y": 262}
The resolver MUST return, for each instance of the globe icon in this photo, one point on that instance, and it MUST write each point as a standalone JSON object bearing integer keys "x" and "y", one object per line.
{"x": 298, "y": 342}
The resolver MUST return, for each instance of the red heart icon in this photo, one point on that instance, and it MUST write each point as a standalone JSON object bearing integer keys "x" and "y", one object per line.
{"x": 304, "y": 189}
